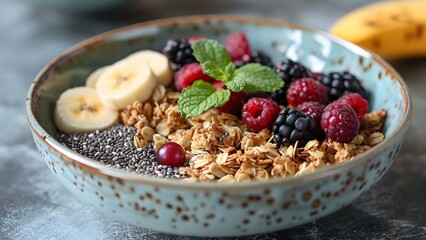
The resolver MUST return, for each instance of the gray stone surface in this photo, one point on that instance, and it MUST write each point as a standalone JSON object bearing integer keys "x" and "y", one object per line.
{"x": 34, "y": 205}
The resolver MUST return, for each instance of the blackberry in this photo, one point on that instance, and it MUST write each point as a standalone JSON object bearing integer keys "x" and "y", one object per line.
{"x": 291, "y": 126}
{"x": 279, "y": 96}
{"x": 338, "y": 84}
{"x": 289, "y": 71}
{"x": 255, "y": 57}
{"x": 262, "y": 58}
{"x": 179, "y": 52}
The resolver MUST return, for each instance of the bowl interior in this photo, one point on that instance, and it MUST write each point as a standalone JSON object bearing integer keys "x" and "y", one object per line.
{"x": 317, "y": 51}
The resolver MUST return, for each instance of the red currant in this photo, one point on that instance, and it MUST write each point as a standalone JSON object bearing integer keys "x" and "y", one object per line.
{"x": 171, "y": 154}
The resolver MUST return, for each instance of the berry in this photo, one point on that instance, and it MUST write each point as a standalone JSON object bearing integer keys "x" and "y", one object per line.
{"x": 314, "y": 109}
{"x": 306, "y": 90}
{"x": 340, "y": 122}
{"x": 193, "y": 39}
{"x": 358, "y": 104}
{"x": 237, "y": 46}
{"x": 262, "y": 58}
{"x": 255, "y": 57}
{"x": 317, "y": 76}
{"x": 179, "y": 52}
{"x": 291, "y": 126}
{"x": 188, "y": 74}
{"x": 289, "y": 71}
{"x": 218, "y": 84}
{"x": 235, "y": 102}
{"x": 279, "y": 96}
{"x": 339, "y": 84}
{"x": 171, "y": 154}
{"x": 259, "y": 113}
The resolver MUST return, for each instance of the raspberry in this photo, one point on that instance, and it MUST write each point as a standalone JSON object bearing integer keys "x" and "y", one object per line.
{"x": 289, "y": 71}
{"x": 193, "y": 39}
{"x": 179, "y": 52}
{"x": 306, "y": 90}
{"x": 259, "y": 113}
{"x": 317, "y": 75}
{"x": 359, "y": 104}
{"x": 237, "y": 46}
{"x": 314, "y": 109}
{"x": 218, "y": 84}
{"x": 235, "y": 102}
{"x": 340, "y": 122}
{"x": 339, "y": 84}
{"x": 188, "y": 74}
{"x": 293, "y": 126}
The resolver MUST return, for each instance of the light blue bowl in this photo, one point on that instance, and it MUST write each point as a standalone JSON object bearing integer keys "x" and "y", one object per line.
{"x": 219, "y": 209}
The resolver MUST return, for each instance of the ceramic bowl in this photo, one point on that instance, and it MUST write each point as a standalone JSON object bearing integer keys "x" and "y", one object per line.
{"x": 219, "y": 209}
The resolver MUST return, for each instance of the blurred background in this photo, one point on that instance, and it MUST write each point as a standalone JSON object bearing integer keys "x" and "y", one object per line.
{"x": 33, "y": 205}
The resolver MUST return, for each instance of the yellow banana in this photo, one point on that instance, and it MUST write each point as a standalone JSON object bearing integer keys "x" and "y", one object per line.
{"x": 124, "y": 82}
{"x": 80, "y": 109}
{"x": 93, "y": 78}
{"x": 392, "y": 29}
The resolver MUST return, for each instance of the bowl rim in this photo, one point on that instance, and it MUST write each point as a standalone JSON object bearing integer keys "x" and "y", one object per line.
{"x": 97, "y": 168}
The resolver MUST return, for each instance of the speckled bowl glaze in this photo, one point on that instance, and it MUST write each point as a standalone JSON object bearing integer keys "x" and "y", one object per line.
{"x": 219, "y": 209}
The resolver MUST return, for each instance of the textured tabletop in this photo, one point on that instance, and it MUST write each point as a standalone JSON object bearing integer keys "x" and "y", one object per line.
{"x": 34, "y": 205}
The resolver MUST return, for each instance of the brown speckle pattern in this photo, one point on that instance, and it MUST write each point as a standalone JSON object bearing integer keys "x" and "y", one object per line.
{"x": 316, "y": 203}
{"x": 270, "y": 201}
{"x": 306, "y": 196}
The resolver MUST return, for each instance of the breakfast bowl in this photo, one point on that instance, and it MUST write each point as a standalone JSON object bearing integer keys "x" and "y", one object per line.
{"x": 216, "y": 208}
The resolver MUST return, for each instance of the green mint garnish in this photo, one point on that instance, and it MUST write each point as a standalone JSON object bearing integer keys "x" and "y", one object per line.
{"x": 258, "y": 78}
{"x": 216, "y": 62}
{"x": 236, "y": 84}
{"x": 214, "y": 59}
{"x": 199, "y": 97}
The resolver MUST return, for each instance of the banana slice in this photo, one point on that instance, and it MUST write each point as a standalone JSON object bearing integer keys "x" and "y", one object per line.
{"x": 124, "y": 82}
{"x": 81, "y": 110}
{"x": 158, "y": 63}
{"x": 94, "y": 76}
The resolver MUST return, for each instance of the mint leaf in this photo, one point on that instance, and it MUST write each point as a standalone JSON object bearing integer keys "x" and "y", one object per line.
{"x": 199, "y": 97}
{"x": 211, "y": 50}
{"x": 213, "y": 70}
{"x": 214, "y": 59}
{"x": 230, "y": 69}
{"x": 258, "y": 78}
{"x": 236, "y": 85}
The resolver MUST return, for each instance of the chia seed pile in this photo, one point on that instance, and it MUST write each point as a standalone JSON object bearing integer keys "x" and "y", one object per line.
{"x": 114, "y": 148}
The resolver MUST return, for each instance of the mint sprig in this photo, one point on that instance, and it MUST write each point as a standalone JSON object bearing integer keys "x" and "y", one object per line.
{"x": 214, "y": 59}
{"x": 258, "y": 78}
{"x": 199, "y": 97}
{"x": 216, "y": 62}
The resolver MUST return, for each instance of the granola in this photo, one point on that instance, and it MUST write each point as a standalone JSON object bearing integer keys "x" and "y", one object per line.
{"x": 220, "y": 148}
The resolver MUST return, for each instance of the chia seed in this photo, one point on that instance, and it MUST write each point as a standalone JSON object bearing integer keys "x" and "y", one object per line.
{"x": 114, "y": 148}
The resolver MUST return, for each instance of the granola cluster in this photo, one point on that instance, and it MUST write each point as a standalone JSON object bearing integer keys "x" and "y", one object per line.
{"x": 220, "y": 148}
